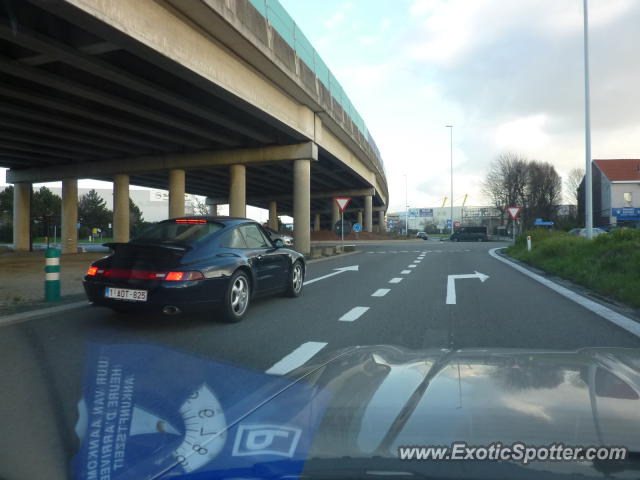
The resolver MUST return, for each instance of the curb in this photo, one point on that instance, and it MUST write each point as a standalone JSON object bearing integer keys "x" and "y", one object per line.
{"x": 41, "y": 312}
{"x": 622, "y": 321}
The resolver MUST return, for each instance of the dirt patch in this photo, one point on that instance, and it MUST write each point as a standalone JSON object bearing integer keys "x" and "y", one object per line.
{"x": 22, "y": 275}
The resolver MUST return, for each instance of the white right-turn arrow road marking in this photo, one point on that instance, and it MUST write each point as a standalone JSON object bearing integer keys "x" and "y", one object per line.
{"x": 353, "y": 268}
{"x": 451, "y": 284}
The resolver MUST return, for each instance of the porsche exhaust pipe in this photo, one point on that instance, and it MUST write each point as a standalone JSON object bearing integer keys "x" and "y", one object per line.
{"x": 170, "y": 310}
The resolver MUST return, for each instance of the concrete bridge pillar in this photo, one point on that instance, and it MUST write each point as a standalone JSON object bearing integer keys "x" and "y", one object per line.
{"x": 360, "y": 217}
{"x": 69, "y": 214}
{"x": 238, "y": 191}
{"x": 273, "y": 215}
{"x": 302, "y": 205}
{"x": 368, "y": 213}
{"x": 121, "y": 207}
{"x": 381, "y": 221}
{"x": 176, "y": 193}
{"x": 335, "y": 213}
{"x": 316, "y": 223}
{"x": 21, "y": 216}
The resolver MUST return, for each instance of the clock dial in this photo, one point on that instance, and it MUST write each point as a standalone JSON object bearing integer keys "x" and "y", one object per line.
{"x": 205, "y": 429}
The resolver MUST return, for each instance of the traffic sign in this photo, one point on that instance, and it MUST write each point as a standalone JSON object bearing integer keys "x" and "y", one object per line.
{"x": 514, "y": 212}
{"x": 342, "y": 202}
{"x": 357, "y": 228}
{"x": 448, "y": 223}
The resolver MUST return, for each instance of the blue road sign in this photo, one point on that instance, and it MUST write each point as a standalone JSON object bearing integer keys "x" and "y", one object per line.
{"x": 448, "y": 223}
{"x": 357, "y": 227}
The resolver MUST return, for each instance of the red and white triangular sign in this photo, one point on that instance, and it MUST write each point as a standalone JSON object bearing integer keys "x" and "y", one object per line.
{"x": 514, "y": 212}
{"x": 342, "y": 202}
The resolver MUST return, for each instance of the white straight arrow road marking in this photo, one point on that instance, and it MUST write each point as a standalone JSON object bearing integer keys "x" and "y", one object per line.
{"x": 353, "y": 314}
{"x": 297, "y": 358}
{"x": 451, "y": 284}
{"x": 353, "y": 268}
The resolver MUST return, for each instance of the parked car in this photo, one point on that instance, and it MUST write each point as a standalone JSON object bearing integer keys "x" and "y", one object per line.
{"x": 582, "y": 232}
{"x": 286, "y": 239}
{"x": 470, "y": 234}
{"x": 195, "y": 263}
{"x": 422, "y": 235}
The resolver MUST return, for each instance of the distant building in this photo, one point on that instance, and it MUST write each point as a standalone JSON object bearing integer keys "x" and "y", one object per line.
{"x": 616, "y": 192}
{"x": 154, "y": 204}
{"x": 436, "y": 218}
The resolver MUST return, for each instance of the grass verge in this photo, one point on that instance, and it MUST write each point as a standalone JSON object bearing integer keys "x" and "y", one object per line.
{"x": 609, "y": 264}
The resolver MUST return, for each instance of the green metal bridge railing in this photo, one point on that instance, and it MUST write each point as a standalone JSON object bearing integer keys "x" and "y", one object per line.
{"x": 281, "y": 21}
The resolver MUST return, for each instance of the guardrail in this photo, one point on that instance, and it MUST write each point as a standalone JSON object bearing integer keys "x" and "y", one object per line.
{"x": 280, "y": 20}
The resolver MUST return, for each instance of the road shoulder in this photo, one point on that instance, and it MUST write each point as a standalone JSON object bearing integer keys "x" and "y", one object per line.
{"x": 617, "y": 313}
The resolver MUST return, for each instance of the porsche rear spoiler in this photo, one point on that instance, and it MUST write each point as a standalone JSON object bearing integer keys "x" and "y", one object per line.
{"x": 169, "y": 246}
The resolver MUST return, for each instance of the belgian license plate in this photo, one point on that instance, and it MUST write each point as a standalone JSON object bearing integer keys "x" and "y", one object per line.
{"x": 126, "y": 294}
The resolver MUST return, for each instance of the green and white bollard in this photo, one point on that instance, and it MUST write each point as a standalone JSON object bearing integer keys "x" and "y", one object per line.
{"x": 52, "y": 275}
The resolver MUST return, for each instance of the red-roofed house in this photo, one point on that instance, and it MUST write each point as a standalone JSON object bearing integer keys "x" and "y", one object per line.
{"x": 616, "y": 191}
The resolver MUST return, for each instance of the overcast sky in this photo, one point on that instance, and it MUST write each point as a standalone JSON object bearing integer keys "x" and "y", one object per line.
{"x": 507, "y": 74}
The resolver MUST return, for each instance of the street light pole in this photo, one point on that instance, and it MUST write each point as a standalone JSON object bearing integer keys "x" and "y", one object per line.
{"x": 450, "y": 127}
{"x": 587, "y": 128}
{"x": 406, "y": 207}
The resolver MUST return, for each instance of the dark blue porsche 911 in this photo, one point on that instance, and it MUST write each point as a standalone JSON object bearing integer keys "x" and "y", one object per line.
{"x": 195, "y": 263}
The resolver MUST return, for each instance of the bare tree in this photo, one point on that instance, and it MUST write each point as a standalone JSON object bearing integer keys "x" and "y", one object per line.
{"x": 200, "y": 207}
{"x": 506, "y": 182}
{"x": 544, "y": 191}
{"x": 514, "y": 180}
{"x": 572, "y": 182}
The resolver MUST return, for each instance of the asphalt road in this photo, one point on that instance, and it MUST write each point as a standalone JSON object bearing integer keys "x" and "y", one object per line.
{"x": 397, "y": 296}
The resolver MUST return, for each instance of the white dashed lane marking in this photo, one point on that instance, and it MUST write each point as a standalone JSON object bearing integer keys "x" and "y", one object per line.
{"x": 381, "y": 292}
{"x": 395, "y": 280}
{"x": 353, "y": 314}
{"x": 412, "y": 266}
{"x": 298, "y": 357}
{"x": 405, "y": 272}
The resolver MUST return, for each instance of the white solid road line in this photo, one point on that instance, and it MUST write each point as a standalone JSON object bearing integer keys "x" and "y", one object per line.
{"x": 395, "y": 280}
{"x": 381, "y": 292}
{"x": 405, "y": 272}
{"x": 297, "y": 358}
{"x": 353, "y": 314}
{"x": 614, "y": 317}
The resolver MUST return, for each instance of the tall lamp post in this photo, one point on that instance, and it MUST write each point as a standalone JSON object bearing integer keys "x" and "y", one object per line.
{"x": 406, "y": 207}
{"x": 587, "y": 128}
{"x": 450, "y": 127}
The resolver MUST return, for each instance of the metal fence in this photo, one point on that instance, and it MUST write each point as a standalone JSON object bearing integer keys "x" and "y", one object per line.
{"x": 287, "y": 28}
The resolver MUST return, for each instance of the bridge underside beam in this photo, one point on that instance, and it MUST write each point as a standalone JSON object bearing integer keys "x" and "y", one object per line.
{"x": 166, "y": 162}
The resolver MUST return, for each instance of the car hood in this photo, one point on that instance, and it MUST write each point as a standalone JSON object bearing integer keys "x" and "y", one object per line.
{"x": 386, "y": 397}
{"x": 352, "y": 409}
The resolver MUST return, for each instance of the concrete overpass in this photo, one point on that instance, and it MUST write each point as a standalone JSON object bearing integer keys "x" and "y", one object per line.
{"x": 223, "y": 98}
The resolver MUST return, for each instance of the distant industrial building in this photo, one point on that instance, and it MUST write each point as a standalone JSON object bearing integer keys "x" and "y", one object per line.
{"x": 154, "y": 204}
{"x": 437, "y": 218}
